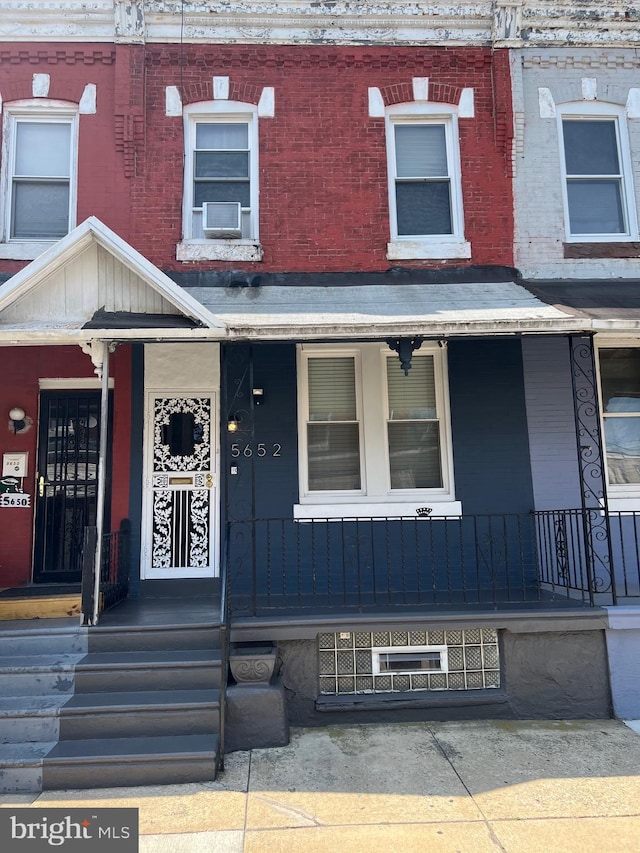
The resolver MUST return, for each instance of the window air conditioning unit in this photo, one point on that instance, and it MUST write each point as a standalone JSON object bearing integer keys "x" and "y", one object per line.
{"x": 221, "y": 219}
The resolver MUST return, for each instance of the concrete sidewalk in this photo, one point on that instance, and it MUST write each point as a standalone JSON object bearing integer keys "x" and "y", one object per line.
{"x": 470, "y": 787}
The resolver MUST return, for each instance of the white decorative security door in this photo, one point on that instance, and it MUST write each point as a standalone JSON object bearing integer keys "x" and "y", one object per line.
{"x": 181, "y": 487}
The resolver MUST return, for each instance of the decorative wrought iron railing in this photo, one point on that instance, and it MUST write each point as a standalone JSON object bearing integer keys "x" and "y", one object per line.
{"x": 114, "y": 569}
{"x": 560, "y": 557}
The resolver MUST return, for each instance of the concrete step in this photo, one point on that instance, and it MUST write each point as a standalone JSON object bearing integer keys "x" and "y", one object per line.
{"x": 60, "y": 636}
{"x": 127, "y": 714}
{"x": 122, "y": 762}
{"x": 179, "y": 669}
{"x": 116, "y": 705}
{"x": 30, "y": 718}
{"x": 21, "y": 766}
{"x": 37, "y": 675}
{"x": 154, "y": 637}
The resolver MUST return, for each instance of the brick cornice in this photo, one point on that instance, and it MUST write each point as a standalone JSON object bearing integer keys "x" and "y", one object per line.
{"x": 440, "y": 59}
{"x": 55, "y": 55}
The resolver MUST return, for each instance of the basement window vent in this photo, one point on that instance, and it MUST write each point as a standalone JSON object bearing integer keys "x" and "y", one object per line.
{"x": 359, "y": 662}
{"x": 411, "y": 660}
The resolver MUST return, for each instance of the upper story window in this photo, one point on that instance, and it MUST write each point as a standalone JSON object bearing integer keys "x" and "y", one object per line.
{"x": 220, "y": 207}
{"x": 620, "y": 393}
{"x": 598, "y": 187}
{"x": 422, "y": 180}
{"x": 39, "y": 178}
{"x": 425, "y": 193}
{"x": 371, "y": 435}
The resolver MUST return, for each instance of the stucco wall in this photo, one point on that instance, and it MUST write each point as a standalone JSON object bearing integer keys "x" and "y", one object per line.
{"x": 546, "y": 675}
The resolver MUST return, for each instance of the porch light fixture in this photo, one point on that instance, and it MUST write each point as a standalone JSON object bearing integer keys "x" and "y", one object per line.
{"x": 233, "y": 424}
{"x": 18, "y": 419}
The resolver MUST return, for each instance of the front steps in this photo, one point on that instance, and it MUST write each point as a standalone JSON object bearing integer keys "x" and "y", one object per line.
{"x": 108, "y": 706}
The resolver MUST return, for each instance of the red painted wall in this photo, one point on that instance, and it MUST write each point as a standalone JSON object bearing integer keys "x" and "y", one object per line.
{"x": 21, "y": 369}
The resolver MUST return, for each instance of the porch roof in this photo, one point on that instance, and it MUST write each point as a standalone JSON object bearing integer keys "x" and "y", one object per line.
{"x": 92, "y": 284}
{"x": 377, "y": 310}
{"x": 608, "y": 305}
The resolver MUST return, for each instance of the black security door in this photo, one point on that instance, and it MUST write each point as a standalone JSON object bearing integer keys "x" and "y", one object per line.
{"x": 67, "y": 484}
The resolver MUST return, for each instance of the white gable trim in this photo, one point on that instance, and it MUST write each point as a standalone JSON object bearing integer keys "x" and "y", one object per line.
{"x": 77, "y": 241}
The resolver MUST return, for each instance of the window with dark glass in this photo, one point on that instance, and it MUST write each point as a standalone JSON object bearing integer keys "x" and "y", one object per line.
{"x": 40, "y": 180}
{"x": 594, "y": 178}
{"x": 423, "y": 181}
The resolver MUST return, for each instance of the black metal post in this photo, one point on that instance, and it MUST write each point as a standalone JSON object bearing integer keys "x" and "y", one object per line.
{"x": 591, "y": 467}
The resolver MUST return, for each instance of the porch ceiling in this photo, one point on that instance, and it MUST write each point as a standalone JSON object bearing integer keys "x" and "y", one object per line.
{"x": 379, "y": 310}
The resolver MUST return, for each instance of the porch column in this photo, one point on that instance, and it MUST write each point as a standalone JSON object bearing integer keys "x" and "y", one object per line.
{"x": 591, "y": 465}
{"x": 99, "y": 354}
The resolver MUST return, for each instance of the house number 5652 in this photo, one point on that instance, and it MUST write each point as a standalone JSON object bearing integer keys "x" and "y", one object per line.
{"x": 260, "y": 450}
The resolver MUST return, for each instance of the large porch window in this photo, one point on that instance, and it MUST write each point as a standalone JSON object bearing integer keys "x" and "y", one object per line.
{"x": 370, "y": 434}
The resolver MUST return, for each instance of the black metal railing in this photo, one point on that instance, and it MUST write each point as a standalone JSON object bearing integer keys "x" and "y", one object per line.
{"x": 225, "y": 635}
{"x": 388, "y": 563}
{"x": 114, "y": 569}
{"x": 567, "y": 557}
{"x": 624, "y": 530}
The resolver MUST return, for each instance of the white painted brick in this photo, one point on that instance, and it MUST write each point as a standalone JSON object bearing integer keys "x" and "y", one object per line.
{"x": 539, "y": 211}
{"x": 40, "y": 85}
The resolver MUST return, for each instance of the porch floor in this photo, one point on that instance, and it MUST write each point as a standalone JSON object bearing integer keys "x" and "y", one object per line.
{"x": 141, "y": 612}
{"x": 167, "y": 603}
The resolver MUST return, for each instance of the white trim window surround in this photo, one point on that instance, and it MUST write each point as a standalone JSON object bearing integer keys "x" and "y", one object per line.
{"x": 425, "y": 187}
{"x": 39, "y": 176}
{"x": 221, "y": 173}
{"x": 409, "y": 660}
{"x": 619, "y": 373}
{"x": 597, "y": 176}
{"x": 374, "y": 443}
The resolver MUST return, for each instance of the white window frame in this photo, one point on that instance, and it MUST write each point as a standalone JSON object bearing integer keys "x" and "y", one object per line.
{"x": 601, "y": 112}
{"x": 40, "y": 111}
{"x": 378, "y": 651}
{"x": 434, "y": 246}
{"x": 193, "y": 248}
{"x": 375, "y": 498}
{"x": 620, "y": 497}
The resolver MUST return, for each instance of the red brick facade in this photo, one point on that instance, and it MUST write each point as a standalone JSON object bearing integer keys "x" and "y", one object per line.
{"x": 323, "y": 173}
{"x": 323, "y": 179}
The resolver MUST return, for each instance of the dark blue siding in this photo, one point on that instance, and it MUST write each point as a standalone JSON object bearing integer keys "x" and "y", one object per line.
{"x": 282, "y": 563}
{"x": 489, "y": 426}
{"x": 265, "y": 485}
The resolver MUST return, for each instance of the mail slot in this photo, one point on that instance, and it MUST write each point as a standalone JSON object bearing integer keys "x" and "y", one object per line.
{"x": 181, "y": 481}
